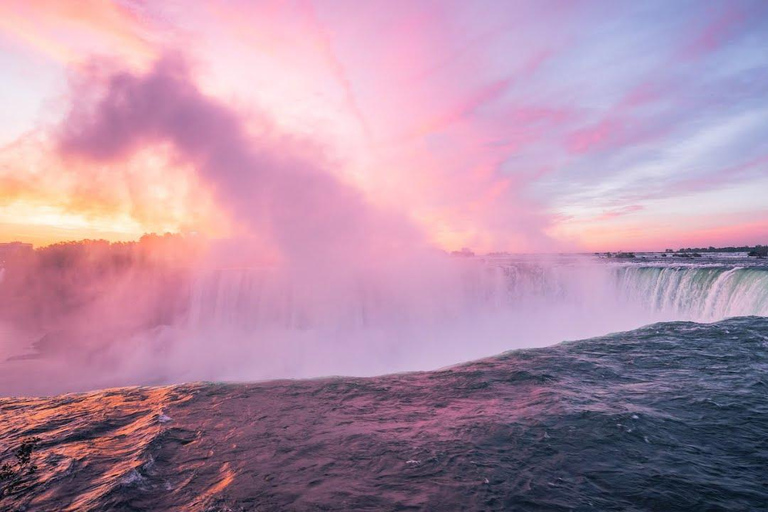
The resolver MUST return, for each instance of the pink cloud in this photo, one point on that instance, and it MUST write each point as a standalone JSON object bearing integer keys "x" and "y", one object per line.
{"x": 716, "y": 32}
{"x": 618, "y": 212}
{"x": 596, "y": 136}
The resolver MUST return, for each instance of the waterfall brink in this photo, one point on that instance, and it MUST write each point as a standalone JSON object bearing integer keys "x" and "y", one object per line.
{"x": 254, "y": 298}
{"x": 703, "y": 294}
{"x": 479, "y": 308}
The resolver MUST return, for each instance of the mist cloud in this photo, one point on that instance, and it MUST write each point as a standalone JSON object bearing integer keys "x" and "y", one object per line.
{"x": 276, "y": 185}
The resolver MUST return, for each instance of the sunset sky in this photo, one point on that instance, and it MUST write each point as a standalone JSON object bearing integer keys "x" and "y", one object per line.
{"x": 496, "y": 125}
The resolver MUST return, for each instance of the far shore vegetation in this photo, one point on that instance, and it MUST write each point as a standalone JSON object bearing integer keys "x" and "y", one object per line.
{"x": 757, "y": 251}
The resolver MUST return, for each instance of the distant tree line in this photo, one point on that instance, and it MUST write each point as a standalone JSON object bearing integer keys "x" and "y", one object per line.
{"x": 745, "y": 248}
{"x": 88, "y": 289}
{"x": 619, "y": 254}
{"x": 759, "y": 251}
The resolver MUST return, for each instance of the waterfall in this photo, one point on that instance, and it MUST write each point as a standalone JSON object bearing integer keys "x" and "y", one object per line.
{"x": 700, "y": 293}
{"x": 254, "y": 298}
{"x": 238, "y": 323}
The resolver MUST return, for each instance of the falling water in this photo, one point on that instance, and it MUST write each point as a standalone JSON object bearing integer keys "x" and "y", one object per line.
{"x": 251, "y": 323}
{"x": 700, "y": 293}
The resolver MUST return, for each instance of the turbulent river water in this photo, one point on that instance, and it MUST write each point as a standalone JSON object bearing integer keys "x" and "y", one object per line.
{"x": 673, "y": 416}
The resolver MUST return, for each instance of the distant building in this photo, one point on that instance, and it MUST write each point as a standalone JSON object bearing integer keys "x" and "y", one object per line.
{"x": 465, "y": 251}
{"x": 14, "y": 250}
